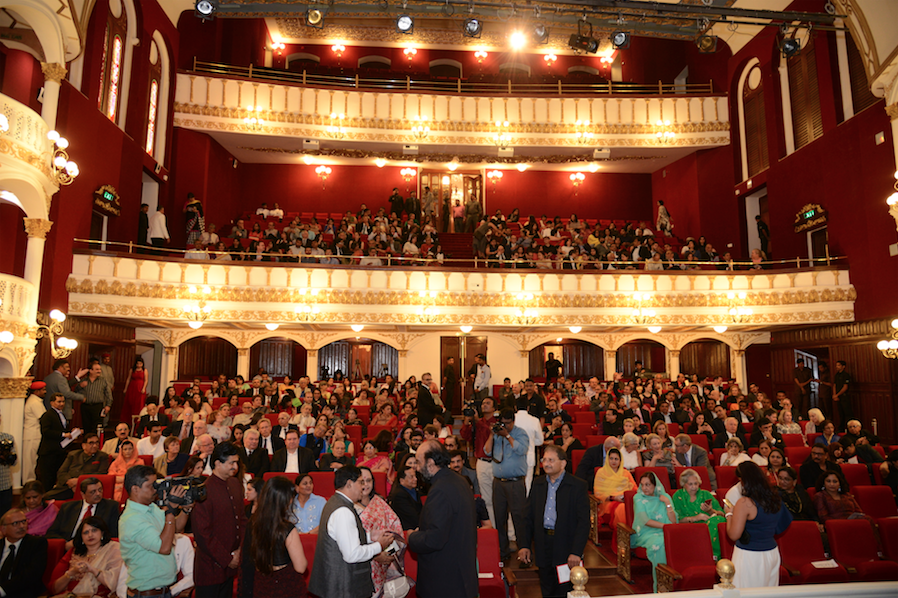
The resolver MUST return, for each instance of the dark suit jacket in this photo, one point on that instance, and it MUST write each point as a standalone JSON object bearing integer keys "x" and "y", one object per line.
{"x": 571, "y": 523}
{"x": 738, "y": 415}
{"x": 716, "y": 424}
{"x": 658, "y": 416}
{"x": 78, "y": 463}
{"x": 757, "y": 437}
{"x": 276, "y": 430}
{"x": 306, "y": 460}
{"x": 51, "y": 433}
{"x": 187, "y": 443}
{"x": 173, "y": 429}
{"x": 699, "y": 458}
{"x": 276, "y": 443}
{"x": 721, "y": 439}
{"x": 67, "y": 519}
{"x": 407, "y": 508}
{"x": 145, "y": 421}
{"x": 324, "y": 463}
{"x": 214, "y": 541}
{"x": 25, "y": 577}
{"x": 257, "y": 463}
{"x": 446, "y": 540}
{"x": 427, "y": 407}
{"x": 592, "y": 458}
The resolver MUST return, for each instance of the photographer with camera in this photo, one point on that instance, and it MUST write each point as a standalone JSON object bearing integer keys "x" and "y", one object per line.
{"x": 508, "y": 446}
{"x": 476, "y": 431}
{"x": 8, "y": 458}
{"x": 147, "y": 533}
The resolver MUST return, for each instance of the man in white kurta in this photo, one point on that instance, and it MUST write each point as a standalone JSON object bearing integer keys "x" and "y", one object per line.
{"x": 31, "y": 435}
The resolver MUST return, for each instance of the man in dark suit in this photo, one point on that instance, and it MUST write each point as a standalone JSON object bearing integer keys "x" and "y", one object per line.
{"x": 663, "y": 413}
{"x": 640, "y": 416}
{"x": 690, "y": 455}
{"x": 268, "y": 442}
{"x": 50, "y": 452}
{"x": 23, "y": 559}
{"x": 446, "y": 540}
{"x": 90, "y": 459}
{"x": 293, "y": 458}
{"x": 595, "y": 457}
{"x": 189, "y": 444}
{"x": 744, "y": 415}
{"x": 152, "y": 415}
{"x": 558, "y": 534}
{"x": 405, "y": 500}
{"x": 254, "y": 459}
{"x": 731, "y": 429}
{"x": 681, "y": 415}
{"x": 764, "y": 431}
{"x": 280, "y": 430}
{"x": 427, "y": 407}
{"x": 71, "y": 514}
{"x": 718, "y": 421}
{"x": 335, "y": 459}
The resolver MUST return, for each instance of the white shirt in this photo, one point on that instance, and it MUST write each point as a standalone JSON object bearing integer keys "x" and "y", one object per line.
{"x": 530, "y": 424}
{"x": 145, "y": 446}
{"x": 84, "y": 506}
{"x": 341, "y": 527}
{"x": 157, "y": 229}
{"x": 292, "y": 462}
{"x": 276, "y": 213}
{"x": 266, "y": 443}
{"x": 34, "y": 409}
{"x": 263, "y": 212}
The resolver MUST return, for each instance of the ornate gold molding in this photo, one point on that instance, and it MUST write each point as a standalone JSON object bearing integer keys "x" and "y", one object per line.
{"x": 40, "y": 162}
{"x": 53, "y": 71}
{"x": 892, "y": 111}
{"x": 19, "y": 329}
{"x": 37, "y": 227}
{"x": 14, "y": 388}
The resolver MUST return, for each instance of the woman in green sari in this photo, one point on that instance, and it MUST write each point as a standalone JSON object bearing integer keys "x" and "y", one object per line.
{"x": 652, "y": 509}
{"x": 694, "y": 505}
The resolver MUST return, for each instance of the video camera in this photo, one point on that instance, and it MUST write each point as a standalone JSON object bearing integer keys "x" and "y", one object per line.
{"x": 195, "y": 488}
{"x": 7, "y": 457}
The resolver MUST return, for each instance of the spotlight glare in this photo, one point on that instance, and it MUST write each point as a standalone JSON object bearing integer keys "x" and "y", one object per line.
{"x": 517, "y": 40}
{"x": 620, "y": 40}
{"x": 405, "y": 24}
{"x": 472, "y": 27}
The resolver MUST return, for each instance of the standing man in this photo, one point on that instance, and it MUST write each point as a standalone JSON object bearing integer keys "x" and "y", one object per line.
{"x": 107, "y": 372}
{"x": 803, "y": 376}
{"x": 427, "y": 406}
{"x": 51, "y": 452}
{"x": 477, "y": 430}
{"x": 531, "y": 425}
{"x": 143, "y": 227}
{"x": 482, "y": 377}
{"x": 841, "y": 394}
{"x": 31, "y": 434}
{"x": 23, "y": 558}
{"x": 446, "y": 538}
{"x": 429, "y": 203}
{"x": 556, "y": 518}
{"x": 97, "y": 399}
{"x": 343, "y": 547}
{"x": 57, "y": 382}
{"x": 147, "y": 535}
{"x": 508, "y": 448}
{"x": 158, "y": 229}
{"x": 219, "y": 523}
{"x": 397, "y": 204}
{"x": 450, "y": 384}
{"x": 553, "y": 368}
{"x": 763, "y": 235}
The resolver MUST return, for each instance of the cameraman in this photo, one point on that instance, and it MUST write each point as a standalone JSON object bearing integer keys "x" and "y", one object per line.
{"x": 147, "y": 535}
{"x": 8, "y": 458}
{"x": 476, "y": 431}
{"x": 508, "y": 446}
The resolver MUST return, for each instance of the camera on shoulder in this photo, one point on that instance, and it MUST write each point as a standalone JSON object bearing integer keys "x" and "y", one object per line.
{"x": 194, "y": 490}
{"x": 7, "y": 457}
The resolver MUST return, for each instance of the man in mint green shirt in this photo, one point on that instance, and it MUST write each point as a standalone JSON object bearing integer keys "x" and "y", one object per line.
{"x": 146, "y": 536}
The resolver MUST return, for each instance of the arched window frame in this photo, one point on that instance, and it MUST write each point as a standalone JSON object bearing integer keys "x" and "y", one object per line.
{"x": 123, "y": 26}
{"x": 743, "y": 145}
{"x": 163, "y": 105}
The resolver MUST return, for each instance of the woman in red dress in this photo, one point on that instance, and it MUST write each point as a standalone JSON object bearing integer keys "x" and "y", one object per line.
{"x": 135, "y": 391}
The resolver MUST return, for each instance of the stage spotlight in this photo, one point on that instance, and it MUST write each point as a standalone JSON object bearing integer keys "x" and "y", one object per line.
{"x": 620, "y": 40}
{"x": 540, "y": 34}
{"x": 405, "y": 24}
{"x": 314, "y": 18}
{"x": 790, "y": 47}
{"x": 707, "y": 44}
{"x": 517, "y": 40}
{"x": 472, "y": 27}
{"x": 583, "y": 43}
{"x": 205, "y": 9}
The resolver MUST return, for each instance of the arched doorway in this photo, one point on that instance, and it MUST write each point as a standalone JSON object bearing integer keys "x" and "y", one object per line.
{"x": 580, "y": 360}
{"x": 358, "y": 359}
{"x": 650, "y": 353}
{"x": 206, "y": 357}
{"x": 706, "y": 357}
{"x": 279, "y": 356}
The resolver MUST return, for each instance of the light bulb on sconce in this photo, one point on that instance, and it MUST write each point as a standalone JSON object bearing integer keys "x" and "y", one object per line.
{"x": 480, "y": 55}
{"x": 410, "y": 53}
{"x": 654, "y": 329}
{"x": 575, "y": 329}
{"x": 466, "y": 329}
{"x": 522, "y": 167}
{"x": 357, "y": 327}
{"x": 380, "y": 162}
{"x": 338, "y": 49}
{"x": 550, "y": 59}
{"x": 272, "y": 327}
{"x": 720, "y": 329}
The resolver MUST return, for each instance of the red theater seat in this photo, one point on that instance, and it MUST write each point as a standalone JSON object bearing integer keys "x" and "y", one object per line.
{"x": 107, "y": 480}
{"x": 692, "y": 569}
{"x": 853, "y": 545}
{"x": 799, "y": 546}
{"x": 875, "y": 501}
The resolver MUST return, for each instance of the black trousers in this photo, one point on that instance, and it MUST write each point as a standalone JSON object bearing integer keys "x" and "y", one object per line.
{"x": 48, "y": 466}
{"x": 508, "y": 497}
{"x": 5, "y": 501}
{"x": 224, "y": 589}
{"x": 91, "y": 416}
{"x": 548, "y": 575}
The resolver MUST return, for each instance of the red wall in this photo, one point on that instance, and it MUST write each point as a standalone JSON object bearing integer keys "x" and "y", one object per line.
{"x": 649, "y": 60}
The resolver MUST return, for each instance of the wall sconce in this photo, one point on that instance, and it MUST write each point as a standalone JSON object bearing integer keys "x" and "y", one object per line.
{"x": 336, "y": 128}
{"x": 577, "y": 178}
{"x": 892, "y": 201}
{"x": 739, "y": 314}
{"x": 253, "y": 120}
{"x": 410, "y": 53}
{"x": 421, "y": 130}
{"x": 278, "y": 47}
{"x": 197, "y": 313}
{"x": 550, "y": 59}
{"x": 338, "y": 49}
{"x": 480, "y": 55}
{"x": 428, "y": 313}
{"x": 380, "y": 162}
{"x": 307, "y": 313}
{"x": 452, "y": 166}
{"x": 720, "y": 329}
{"x": 522, "y": 167}
{"x": 408, "y": 174}
{"x": 594, "y": 168}
{"x": 272, "y": 327}
{"x": 60, "y": 346}
{"x": 525, "y": 315}
{"x": 606, "y": 59}
{"x": 64, "y": 169}
{"x": 663, "y": 132}
{"x": 502, "y": 138}
{"x": 357, "y": 327}
{"x": 889, "y": 348}
{"x": 584, "y": 133}
{"x": 323, "y": 172}
{"x": 466, "y": 329}
{"x": 494, "y": 176}
{"x": 643, "y": 313}
{"x": 575, "y": 329}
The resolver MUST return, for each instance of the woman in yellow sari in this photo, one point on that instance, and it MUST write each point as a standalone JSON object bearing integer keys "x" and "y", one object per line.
{"x": 611, "y": 482}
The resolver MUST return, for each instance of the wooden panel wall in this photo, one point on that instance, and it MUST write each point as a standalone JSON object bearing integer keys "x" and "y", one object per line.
{"x": 206, "y": 357}
{"x": 707, "y": 358}
{"x": 581, "y": 360}
{"x": 279, "y": 357}
{"x": 650, "y": 353}
{"x": 450, "y": 346}
{"x": 372, "y": 355}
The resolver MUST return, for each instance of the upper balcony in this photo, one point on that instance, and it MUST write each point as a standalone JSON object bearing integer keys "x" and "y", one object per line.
{"x": 25, "y": 158}
{"x": 18, "y": 310}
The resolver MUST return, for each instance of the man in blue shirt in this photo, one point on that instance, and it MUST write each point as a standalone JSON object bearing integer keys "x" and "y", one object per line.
{"x": 508, "y": 446}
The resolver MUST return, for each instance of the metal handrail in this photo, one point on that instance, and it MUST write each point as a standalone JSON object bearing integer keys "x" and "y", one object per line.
{"x": 458, "y": 85}
{"x": 743, "y": 267}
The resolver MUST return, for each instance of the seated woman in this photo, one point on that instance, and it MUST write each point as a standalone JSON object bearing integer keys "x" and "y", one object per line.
{"x": 833, "y": 501}
{"x": 307, "y": 506}
{"x": 631, "y": 457}
{"x": 700, "y": 426}
{"x": 760, "y": 458}
{"x": 652, "y": 510}
{"x": 658, "y": 456}
{"x": 611, "y": 482}
{"x": 91, "y": 567}
{"x": 553, "y": 428}
{"x": 372, "y": 460}
{"x": 735, "y": 453}
{"x": 40, "y": 514}
{"x": 796, "y": 498}
{"x": 829, "y": 435}
{"x": 217, "y": 427}
{"x": 786, "y": 424}
{"x": 660, "y": 430}
{"x": 694, "y": 505}
{"x": 815, "y": 421}
{"x": 126, "y": 459}
{"x": 776, "y": 460}
{"x": 569, "y": 443}
{"x": 172, "y": 461}
{"x": 385, "y": 416}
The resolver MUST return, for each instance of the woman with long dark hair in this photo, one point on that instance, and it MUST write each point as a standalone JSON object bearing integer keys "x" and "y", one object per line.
{"x": 275, "y": 549}
{"x": 91, "y": 567}
{"x": 135, "y": 390}
{"x": 752, "y": 524}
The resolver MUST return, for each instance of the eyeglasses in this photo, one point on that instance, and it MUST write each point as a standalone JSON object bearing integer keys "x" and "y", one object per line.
{"x": 19, "y": 523}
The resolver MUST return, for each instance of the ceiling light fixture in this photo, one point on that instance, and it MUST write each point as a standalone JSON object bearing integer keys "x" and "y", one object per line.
{"x": 522, "y": 167}
{"x": 472, "y": 27}
{"x": 272, "y": 327}
{"x": 706, "y": 44}
{"x": 720, "y": 329}
{"x": 575, "y": 329}
{"x": 405, "y": 23}
{"x": 539, "y": 34}
{"x": 517, "y": 40}
{"x": 620, "y": 40}
{"x": 314, "y": 18}
{"x": 205, "y": 9}
{"x": 466, "y": 329}
{"x": 583, "y": 43}
{"x": 357, "y": 327}
{"x": 654, "y": 329}
{"x": 380, "y": 162}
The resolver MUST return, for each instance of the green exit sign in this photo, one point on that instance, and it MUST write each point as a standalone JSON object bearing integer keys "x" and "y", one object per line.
{"x": 809, "y": 214}
{"x": 109, "y": 196}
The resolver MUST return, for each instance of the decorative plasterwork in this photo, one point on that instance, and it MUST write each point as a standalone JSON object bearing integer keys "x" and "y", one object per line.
{"x": 673, "y": 342}
{"x": 37, "y": 227}
{"x": 892, "y": 111}
{"x": 14, "y": 388}
{"x": 54, "y": 71}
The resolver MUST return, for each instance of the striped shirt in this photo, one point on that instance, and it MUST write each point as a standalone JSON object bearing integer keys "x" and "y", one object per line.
{"x": 97, "y": 391}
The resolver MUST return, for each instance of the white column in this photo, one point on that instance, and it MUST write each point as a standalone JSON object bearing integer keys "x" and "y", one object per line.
{"x": 37, "y": 229}
{"x": 673, "y": 363}
{"x": 524, "y": 365}
{"x": 54, "y": 73}
{"x": 737, "y": 367}
{"x": 610, "y": 364}
{"x": 844, "y": 75}
{"x": 169, "y": 367}
{"x": 787, "y": 108}
{"x": 12, "y": 410}
{"x": 268, "y": 58}
{"x": 243, "y": 363}
{"x": 312, "y": 363}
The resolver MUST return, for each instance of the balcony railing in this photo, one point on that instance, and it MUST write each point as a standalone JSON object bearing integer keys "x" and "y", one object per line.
{"x": 28, "y": 131}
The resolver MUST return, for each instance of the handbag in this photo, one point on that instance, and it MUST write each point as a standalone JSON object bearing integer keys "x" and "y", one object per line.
{"x": 397, "y": 583}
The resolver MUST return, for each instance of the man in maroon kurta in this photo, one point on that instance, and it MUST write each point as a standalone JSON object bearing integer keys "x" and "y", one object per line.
{"x": 219, "y": 523}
